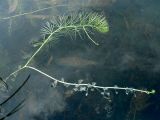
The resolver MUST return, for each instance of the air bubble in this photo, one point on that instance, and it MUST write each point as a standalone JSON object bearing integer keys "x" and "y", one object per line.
{"x": 92, "y": 89}
{"x": 86, "y": 93}
{"x": 82, "y": 88}
{"x": 54, "y": 84}
{"x": 80, "y": 81}
{"x": 93, "y": 83}
{"x": 116, "y": 92}
{"x": 75, "y": 89}
{"x": 66, "y": 85}
{"x": 102, "y": 93}
{"x": 108, "y": 94}
{"x": 127, "y": 91}
{"x": 62, "y": 79}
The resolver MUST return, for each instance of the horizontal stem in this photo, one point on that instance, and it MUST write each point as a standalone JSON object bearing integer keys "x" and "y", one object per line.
{"x": 94, "y": 86}
{"x": 32, "y": 12}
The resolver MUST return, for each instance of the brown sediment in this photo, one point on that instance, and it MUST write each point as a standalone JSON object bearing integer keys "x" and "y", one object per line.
{"x": 137, "y": 104}
{"x": 50, "y": 60}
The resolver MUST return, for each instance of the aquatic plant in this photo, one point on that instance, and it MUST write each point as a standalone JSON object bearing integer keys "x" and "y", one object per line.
{"x": 74, "y": 24}
{"x": 81, "y": 24}
{"x": 58, "y": 26}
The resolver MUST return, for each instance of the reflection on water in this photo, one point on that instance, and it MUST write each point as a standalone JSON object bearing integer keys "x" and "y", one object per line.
{"x": 127, "y": 56}
{"x": 75, "y": 61}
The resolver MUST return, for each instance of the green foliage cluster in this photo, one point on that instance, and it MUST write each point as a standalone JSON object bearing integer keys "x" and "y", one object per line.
{"x": 74, "y": 24}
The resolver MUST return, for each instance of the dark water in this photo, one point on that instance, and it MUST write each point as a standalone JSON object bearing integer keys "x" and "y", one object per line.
{"x": 128, "y": 55}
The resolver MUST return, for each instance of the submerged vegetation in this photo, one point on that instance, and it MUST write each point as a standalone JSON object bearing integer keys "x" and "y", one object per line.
{"x": 73, "y": 25}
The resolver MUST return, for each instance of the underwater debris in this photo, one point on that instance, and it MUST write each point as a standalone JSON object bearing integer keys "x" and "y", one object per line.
{"x": 15, "y": 91}
{"x": 4, "y": 83}
{"x": 14, "y": 110}
{"x": 17, "y": 107}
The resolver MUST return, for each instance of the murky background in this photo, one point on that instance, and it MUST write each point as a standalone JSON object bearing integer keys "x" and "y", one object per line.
{"x": 128, "y": 55}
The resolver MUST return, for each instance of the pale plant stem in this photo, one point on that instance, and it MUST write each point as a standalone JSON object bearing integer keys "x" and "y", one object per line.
{"x": 41, "y": 46}
{"x": 13, "y": 73}
{"x": 89, "y": 36}
{"x": 32, "y": 12}
{"x": 37, "y": 50}
{"x": 75, "y": 84}
{"x": 94, "y": 86}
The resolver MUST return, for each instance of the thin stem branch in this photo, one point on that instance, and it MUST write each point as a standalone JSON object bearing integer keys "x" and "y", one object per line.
{"x": 94, "y": 86}
{"x": 38, "y": 50}
{"x": 27, "y": 13}
{"x": 14, "y": 73}
{"x": 89, "y": 36}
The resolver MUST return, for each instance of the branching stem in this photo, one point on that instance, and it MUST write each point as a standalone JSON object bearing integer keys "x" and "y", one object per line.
{"x": 59, "y": 29}
{"x": 89, "y": 36}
